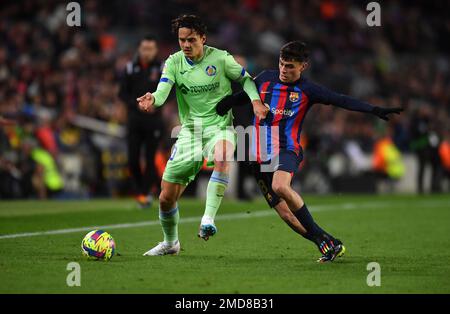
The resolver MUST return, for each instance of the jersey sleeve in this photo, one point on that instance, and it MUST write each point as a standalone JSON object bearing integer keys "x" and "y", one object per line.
{"x": 165, "y": 83}
{"x": 320, "y": 94}
{"x": 236, "y": 72}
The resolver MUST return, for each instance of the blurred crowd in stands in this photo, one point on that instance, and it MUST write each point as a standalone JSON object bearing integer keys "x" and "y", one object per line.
{"x": 51, "y": 73}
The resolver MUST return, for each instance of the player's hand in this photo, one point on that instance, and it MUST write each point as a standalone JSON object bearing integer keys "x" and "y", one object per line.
{"x": 225, "y": 105}
{"x": 382, "y": 113}
{"x": 261, "y": 110}
{"x": 146, "y": 102}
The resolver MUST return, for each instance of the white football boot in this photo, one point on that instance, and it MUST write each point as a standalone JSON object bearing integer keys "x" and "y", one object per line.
{"x": 207, "y": 228}
{"x": 163, "y": 248}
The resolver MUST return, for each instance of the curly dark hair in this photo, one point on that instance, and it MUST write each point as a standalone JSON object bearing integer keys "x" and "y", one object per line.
{"x": 189, "y": 21}
{"x": 295, "y": 51}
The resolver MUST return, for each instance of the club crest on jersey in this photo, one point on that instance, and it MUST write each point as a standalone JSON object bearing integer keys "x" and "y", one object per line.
{"x": 293, "y": 96}
{"x": 211, "y": 70}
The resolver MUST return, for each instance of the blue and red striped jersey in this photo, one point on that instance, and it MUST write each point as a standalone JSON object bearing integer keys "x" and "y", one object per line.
{"x": 289, "y": 103}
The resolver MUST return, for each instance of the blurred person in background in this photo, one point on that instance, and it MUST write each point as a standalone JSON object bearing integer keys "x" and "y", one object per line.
{"x": 387, "y": 159}
{"x": 425, "y": 143}
{"x": 60, "y": 69}
{"x": 144, "y": 129}
{"x": 26, "y": 169}
{"x": 444, "y": 154}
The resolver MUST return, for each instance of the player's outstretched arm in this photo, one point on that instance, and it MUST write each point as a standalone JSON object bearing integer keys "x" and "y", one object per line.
{"x": 382, "y": 113}
{"x": 320, "y": 94}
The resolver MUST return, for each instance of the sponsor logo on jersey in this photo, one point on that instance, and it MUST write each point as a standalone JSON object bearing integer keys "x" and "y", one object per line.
{"x": 199, "y": 88}
{"x": 293, "y": 96}
{"x": 183, "y": 88}
{"x": 211, "y": 70}
{"x": 284, "y": 112}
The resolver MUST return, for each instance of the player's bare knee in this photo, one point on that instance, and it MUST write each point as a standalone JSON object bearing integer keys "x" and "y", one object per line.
{"x": 281, "y": 189}
{"x": 166, "y": 201}
{"x": 224, "y": 151}
{"x": 222, "y": 157}
{"x": 221, "y": 166}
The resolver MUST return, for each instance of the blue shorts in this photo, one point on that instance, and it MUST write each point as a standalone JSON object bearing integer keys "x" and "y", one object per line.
{"x": 287, "y": 161}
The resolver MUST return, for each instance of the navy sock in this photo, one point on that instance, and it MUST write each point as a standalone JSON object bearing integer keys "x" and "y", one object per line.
{"x": 313, "y": 232}
{"x": 324, "y": 233}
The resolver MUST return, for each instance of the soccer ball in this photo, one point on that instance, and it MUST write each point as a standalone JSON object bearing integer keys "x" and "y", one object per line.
{"x": 98, "y": 245}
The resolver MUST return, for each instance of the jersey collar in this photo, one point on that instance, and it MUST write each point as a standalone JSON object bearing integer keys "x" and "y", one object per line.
{"x": 289, "y": 84}
{"x": 191, "y": 62}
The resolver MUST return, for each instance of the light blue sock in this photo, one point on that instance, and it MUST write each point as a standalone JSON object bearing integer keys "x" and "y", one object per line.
{"x": 214, "y": 193}
{"x": 169, "y": 222}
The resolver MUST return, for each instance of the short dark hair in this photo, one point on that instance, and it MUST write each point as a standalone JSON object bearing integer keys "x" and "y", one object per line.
{"x": 148, "y": 37}
{"x": 295, "y": 51}
{"x": 189, "y": 21}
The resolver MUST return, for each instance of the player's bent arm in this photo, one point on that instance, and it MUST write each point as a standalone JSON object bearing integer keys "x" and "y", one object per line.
{"x": 238, "y": 99}
{"x": 236, "y": 72}
{"x": 162, "y": 91}
{"x": 249, "y": 87}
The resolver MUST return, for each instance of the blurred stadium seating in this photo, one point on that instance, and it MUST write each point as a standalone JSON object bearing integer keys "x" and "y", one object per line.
{"x": 60, "y": 84}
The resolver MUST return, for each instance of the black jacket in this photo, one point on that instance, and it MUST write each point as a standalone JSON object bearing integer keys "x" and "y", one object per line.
{"x": 137, "y": 81}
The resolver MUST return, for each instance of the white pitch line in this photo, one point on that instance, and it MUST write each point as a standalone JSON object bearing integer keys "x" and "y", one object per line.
{"x": 260, "y": 213}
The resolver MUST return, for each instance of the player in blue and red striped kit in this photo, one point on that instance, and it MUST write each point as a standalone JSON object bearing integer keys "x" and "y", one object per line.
{"x": 276, "y": 141}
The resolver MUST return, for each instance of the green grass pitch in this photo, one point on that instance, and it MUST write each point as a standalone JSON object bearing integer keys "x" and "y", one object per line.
{"x": 253, "y": 252}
